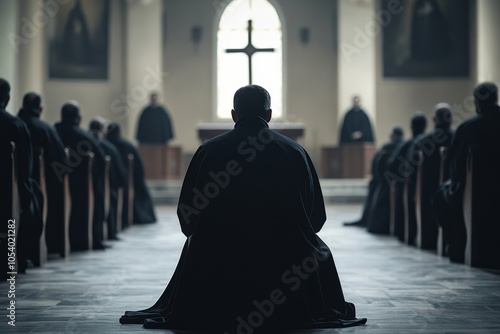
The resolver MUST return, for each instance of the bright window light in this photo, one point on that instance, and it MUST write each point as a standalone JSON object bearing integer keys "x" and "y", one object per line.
{"x": 232, "y": 68}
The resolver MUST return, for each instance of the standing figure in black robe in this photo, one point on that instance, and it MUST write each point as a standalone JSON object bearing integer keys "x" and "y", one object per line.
{"x": 117, "y": 173}
{"x": 44, "y": 137}
{"x": 143, "y": 204}
{"x": 81, "y": 143}
{"x": 429, "y": 144}
{"x": 155, "y": 126}
{"x": 481, "y": 134}
{"x": 30, "y": 223}
{"x": 250, "y": 207}
{"x": 356, "y": 127}
{"x": 402, "y": 168}
{"x": 377, "y": 171}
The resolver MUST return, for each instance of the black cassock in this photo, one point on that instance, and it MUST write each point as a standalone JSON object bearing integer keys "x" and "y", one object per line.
{"x": 480, "y": 134}
{"x": 429, "y": 144}
{"x": 80, "y": 143}
{"x": 402, "y": 170}
{"x": 45, "y": 137}
{"x": 30, "y": 223}
{"x": 250, "y": 207}
{"x": 154, "y": 126}
{"x": 143, "y": 205}
{"x": 378, "y": 216}
{"x": 356, "y": 120}
{"x": 117, "y": 179}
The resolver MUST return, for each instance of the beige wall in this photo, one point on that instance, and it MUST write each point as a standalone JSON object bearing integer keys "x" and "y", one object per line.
{"x": 488, "y": 48}
{"x": 8, "y": 52}
{"x": 398, "y": 99}
{"x": 356, "y": 60}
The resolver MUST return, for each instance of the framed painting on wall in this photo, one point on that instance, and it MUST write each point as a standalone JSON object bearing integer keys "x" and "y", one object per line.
{"x": 427, "y": 38}
{"x": 79, "y": 40}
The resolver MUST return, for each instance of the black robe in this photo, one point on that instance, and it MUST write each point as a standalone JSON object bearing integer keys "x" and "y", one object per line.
{"x": 117, "y": 179}
{"x": 250, "y": 207}
{"x": 378, "y": 214}
{"x": 79, "y": 143}
{"x": 429, "y": 144}
{"x": 154, "y": 126}
{"x": 481, "y": 134}
{"x": 30, "y": 222}
{"x": 45, "y": 137}
{"x": 143, "y": 204}
{"x": 356, "y": 120}
{"x": 402, "y": 170}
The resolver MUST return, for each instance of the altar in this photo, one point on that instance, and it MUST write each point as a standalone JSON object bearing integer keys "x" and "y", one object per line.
{"x": 207, "y": 131}
{"x": 347, "y": 161}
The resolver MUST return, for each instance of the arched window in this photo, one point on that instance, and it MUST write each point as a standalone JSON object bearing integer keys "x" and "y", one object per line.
{"x": 259, "y": 17}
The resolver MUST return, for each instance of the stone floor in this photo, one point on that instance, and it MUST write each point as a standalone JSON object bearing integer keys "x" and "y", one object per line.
{"x": 398, "y": 288}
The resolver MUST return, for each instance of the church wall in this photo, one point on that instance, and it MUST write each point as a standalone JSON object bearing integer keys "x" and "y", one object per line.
{"x": 397, "y": 99}
{"x": 189, "y": 85}
{"x": 356, "y": 59}
{"x": 488, "y": 43}
{"x": 96, "y": 97}
{"x": 311, "y": 81}
{"x": 8, "y": 54}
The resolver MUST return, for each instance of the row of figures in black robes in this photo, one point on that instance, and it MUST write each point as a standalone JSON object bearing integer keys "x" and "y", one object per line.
{"x": 438, "y": 190}
{"x": 73, "y": 187}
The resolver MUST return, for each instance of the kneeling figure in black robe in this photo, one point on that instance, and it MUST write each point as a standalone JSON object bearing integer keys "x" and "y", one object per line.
{"x": 250, "y": 207}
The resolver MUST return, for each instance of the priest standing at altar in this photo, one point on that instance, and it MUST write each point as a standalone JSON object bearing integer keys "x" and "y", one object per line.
{"x": 356, "y": 126}
{"x": 154, "y": 131}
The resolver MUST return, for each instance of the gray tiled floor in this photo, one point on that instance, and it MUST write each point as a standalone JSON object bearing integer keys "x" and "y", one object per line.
{"x": 399, "y": 289}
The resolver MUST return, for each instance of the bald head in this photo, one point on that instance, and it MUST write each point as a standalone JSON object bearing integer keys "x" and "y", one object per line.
{"x": 96, "y": 124}
{"x": 114, "y": 130}
{"x": 443, "y": 115}
{"x": 32, "y": 102}
{"x": 4, "y": 92}
{"x": 418, "y": 124}
{"x": 485, "y": 95}
{"x": 251, "y": 101}
{"x": 70, "y": 111}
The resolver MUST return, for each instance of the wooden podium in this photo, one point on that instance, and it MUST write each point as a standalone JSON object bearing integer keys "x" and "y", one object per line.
{"x": 161, "y": 162}
{"x": 348, "y": 161}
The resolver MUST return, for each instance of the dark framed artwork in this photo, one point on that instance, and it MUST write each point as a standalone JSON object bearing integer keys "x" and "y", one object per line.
{"x": 79, "y": 40}
{"x": 427, "y": 38}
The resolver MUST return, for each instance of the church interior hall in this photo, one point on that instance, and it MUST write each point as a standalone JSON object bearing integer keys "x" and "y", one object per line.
{"x": 400, "y": 289}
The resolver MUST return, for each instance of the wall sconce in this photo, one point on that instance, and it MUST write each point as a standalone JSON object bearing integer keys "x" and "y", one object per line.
{"x": 304, "y": 35}
{"x": 196, "y": 34}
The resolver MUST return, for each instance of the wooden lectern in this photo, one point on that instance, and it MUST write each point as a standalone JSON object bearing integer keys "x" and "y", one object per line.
{"x": 348, "y": 161}
{"x": 161, "y": 162}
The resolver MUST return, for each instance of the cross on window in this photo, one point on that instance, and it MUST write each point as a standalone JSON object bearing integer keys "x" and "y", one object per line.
{"x": 249, "y": 50}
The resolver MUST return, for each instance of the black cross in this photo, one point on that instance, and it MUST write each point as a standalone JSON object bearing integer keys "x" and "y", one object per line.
{"x": 249, "y": 50}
